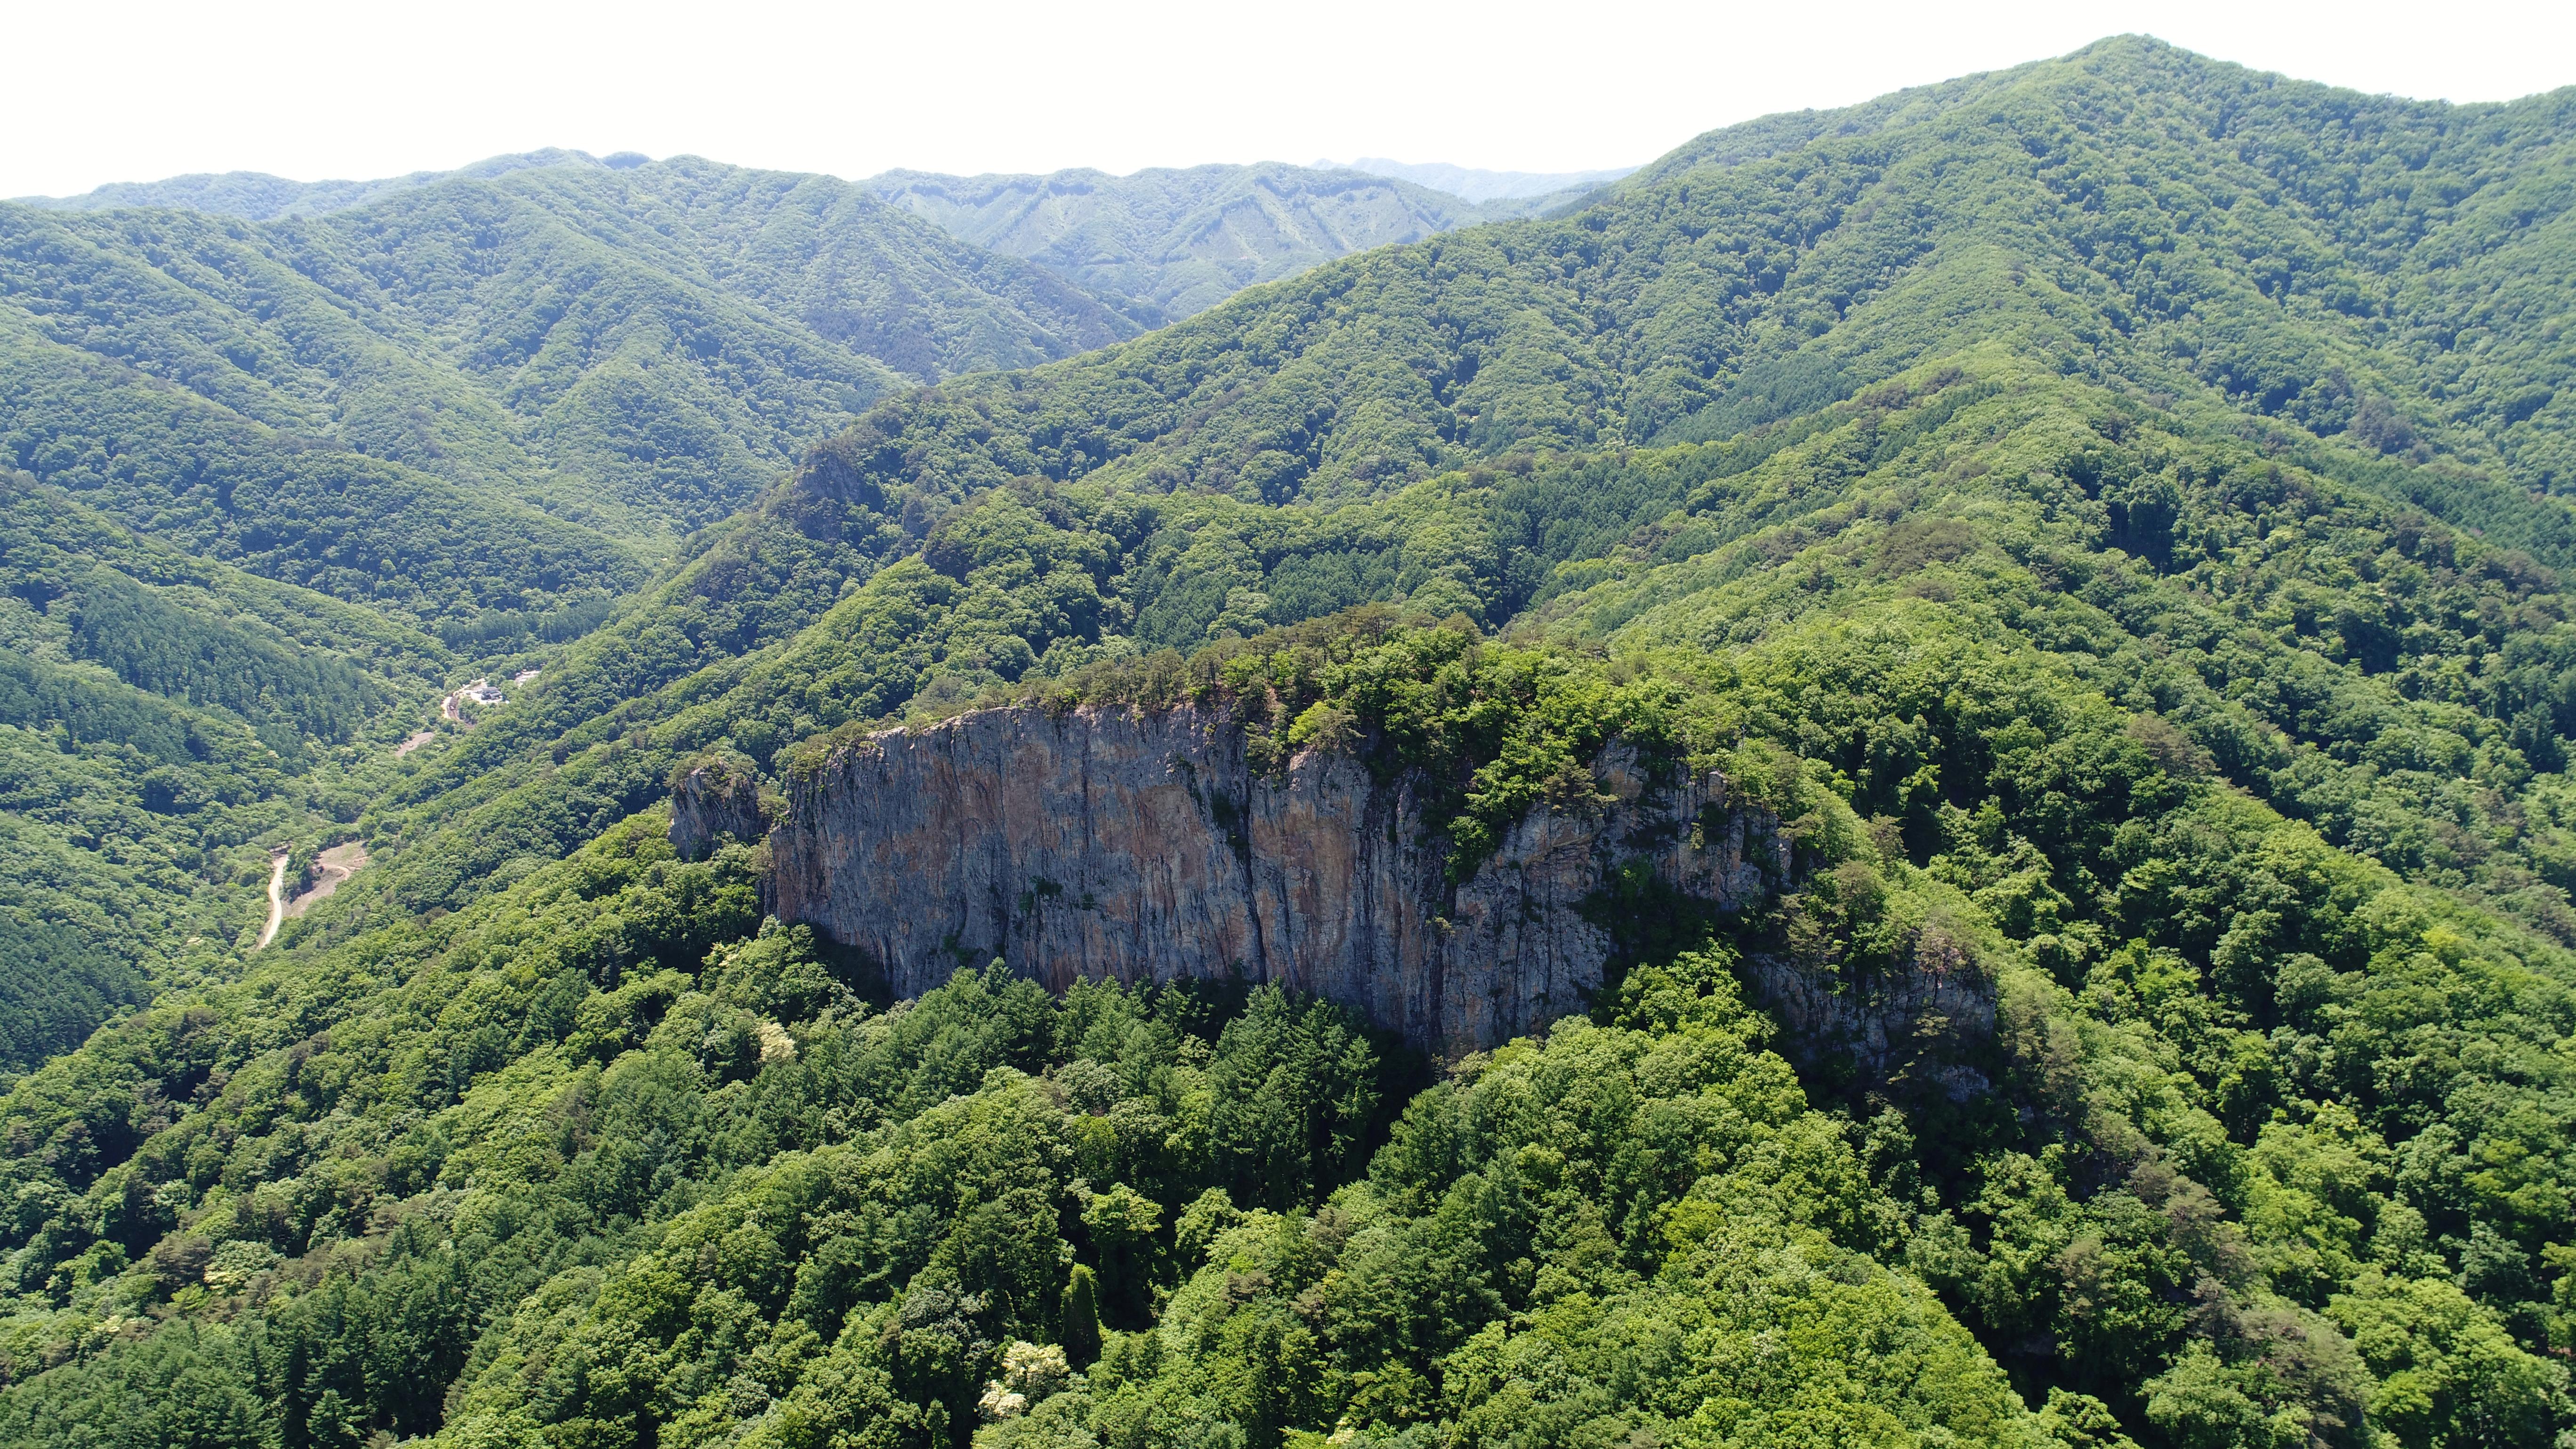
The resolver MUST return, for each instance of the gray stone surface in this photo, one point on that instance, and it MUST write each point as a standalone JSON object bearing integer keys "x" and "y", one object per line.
{"x": 1137, "y": 845}
{"x": 714, "y": 799}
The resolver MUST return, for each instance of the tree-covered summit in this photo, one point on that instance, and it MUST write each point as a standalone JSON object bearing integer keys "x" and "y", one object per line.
{"x": 2290, "y": 256}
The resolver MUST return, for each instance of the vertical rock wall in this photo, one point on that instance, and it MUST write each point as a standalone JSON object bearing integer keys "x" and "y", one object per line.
{"x": 1138, "y": 845}
{"x": 712, "y": 799}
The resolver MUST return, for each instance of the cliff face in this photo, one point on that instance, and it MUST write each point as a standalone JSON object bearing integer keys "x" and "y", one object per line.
{"x": 712, "y": 799}
{"x": 1911, "y": 1025}
{"x": 1109, "y": 842}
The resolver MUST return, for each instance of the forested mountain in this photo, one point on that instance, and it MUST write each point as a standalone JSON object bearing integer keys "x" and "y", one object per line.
{"x": 2105, "y": 513}
{"x": 634, "y": 351}
{"x": 1181, "y": 241}
{"x": 476, "y": 405}
{"x": 1483, "y": 186}
{"x": 465, "y": 417}
{"x": 258, "y": 196}
{"x": 2294, "y": 255}
{"x": 1156, "y": 245}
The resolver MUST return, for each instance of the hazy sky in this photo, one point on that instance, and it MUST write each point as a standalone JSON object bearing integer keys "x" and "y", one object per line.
{"x": 105, "y": 91}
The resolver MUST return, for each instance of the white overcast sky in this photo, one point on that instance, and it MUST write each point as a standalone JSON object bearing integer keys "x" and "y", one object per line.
{"x": 98, "y": 91}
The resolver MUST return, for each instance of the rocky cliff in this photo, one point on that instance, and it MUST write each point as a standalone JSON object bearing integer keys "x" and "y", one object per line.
{"x": 1140, "y": 845}
{"x": 713, "y": 797}
{"x": 1916, "y": 1026}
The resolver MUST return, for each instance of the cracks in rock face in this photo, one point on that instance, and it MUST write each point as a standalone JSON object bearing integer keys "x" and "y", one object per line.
{"x": 1140, "y": 845}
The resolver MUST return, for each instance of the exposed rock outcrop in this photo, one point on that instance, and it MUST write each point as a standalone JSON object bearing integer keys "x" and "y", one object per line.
{"x": 1140, "y": 845}
{"x": 1909, "y": 1025}
{"x": 712, "y": 797}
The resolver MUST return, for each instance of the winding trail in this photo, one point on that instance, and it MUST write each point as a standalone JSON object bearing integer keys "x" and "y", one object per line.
{"x": 276, "y": 898}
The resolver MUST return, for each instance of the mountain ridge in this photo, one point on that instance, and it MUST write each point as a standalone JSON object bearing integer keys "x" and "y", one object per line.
{"x": 1479, "y": 185}
{"x": 1179, "y": 240}
{"x": 259, "y": 196}
{"x": 1161, "y": 242}
{"x": 1539, "y": 364}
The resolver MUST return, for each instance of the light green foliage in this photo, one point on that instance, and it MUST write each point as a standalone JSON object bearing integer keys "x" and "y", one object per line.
{"x": 1569, "y": 1240}
{"x": 608, "y": 1096}
{"x": 229, "y": 479}
{"x": 1476, "y": 1254}
{"x": 1974, "y": 717}
{"x": 1081, "y": 1316}
{"x": 293, "y": 464}
{"x": 258, "y": 196}
{"x": 162, "y": 718}
{"x": 2000, "y": 734}
{"x": 1177, "y": 242}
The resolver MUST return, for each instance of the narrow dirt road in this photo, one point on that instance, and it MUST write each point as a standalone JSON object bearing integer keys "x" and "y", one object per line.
{"x": 276, "y": 898}
{"x": 336, "y": 864}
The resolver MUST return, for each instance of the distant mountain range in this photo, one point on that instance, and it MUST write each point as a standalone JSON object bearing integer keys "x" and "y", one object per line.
{"x": 1158, "y": 245}
{"x": 1180, "y": 242}
{"x": 632, "y": 350}
{"x": 589, "y": 355}
{"x": 1484, "y": 186}
{"x": 258, "y": 196}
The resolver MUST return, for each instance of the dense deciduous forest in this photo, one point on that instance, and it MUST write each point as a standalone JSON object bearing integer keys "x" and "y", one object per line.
{"x": 2108, "y": 512}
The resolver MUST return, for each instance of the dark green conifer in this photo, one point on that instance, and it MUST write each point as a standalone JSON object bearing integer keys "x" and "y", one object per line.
{"x": 1082, "y": 1318}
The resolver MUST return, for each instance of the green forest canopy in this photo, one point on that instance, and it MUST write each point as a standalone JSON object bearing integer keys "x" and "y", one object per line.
{"x": 2104, "y": 509}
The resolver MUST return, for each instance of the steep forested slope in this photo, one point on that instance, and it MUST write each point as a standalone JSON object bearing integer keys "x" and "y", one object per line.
{"x": 475, "y": 412}
{"x": 2024, "y": 653}
{"x": 2377, "y": 270}
{"x": 165, "y": 721}
{"x": 2141, "y": 613}
{"x": 636, "y": 351}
